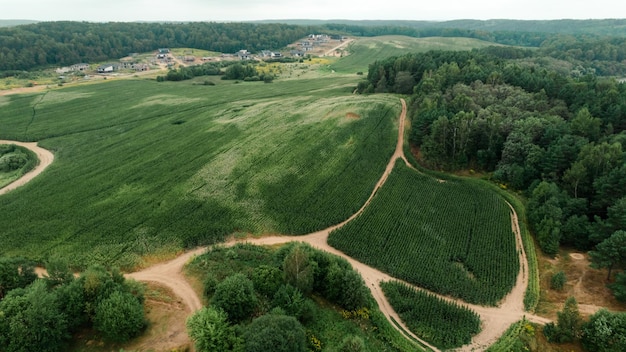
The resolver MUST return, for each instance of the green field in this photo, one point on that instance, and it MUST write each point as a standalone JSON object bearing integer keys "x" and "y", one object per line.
{"x": 450, "y": 237}
{"x": 444, "y": 324}
{"x": 142, "y": 168}
{"x": 365, "y": 51}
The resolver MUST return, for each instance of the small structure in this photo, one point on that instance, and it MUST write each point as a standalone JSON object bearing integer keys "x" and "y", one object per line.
{"x": 164, "y": 51}
{"x": 80, "y": 67}
{"x": 297, "y": 53}
{"x": 106, "y": 68}
{"x": 243, "y": 54}
{"x": 189, "y": 58}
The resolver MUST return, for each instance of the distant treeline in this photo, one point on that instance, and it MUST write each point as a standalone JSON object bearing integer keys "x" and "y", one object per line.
{"x": 65, "y": 43}
{"x": 47, "y": 44}
{"x": 607, "y": 27}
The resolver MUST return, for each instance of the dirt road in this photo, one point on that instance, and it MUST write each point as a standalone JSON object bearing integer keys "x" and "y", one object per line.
{"x": 45, "y": 159}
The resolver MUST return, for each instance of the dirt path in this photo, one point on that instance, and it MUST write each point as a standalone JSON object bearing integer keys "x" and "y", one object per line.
{"x": 45, "y": 159}
{"x": 331, "y": 52}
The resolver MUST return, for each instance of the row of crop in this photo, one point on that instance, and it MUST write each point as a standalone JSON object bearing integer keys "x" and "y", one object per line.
{"x": 303, "y": 204}
{"x": 439, "y": 322}
{"x": 448, "y": 237}
{"x": 134, "y": 161}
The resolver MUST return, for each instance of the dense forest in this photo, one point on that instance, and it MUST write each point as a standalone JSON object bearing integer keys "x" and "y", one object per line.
{"x": 554, "y": 132}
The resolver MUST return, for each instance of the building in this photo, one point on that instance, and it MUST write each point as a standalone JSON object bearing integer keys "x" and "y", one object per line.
{"x": 106, "y": 68}
{"x": 243, "y": 54}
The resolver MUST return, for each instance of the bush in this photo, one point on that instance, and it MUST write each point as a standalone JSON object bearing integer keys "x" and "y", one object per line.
{"x": 210, "y": 331}
{"x": 558, "y": 281}
{"x": 119, "y": 317}
{"x": 236, "y": 296}
{"x": 276, "y": 333}
{"x": 605, "y": 332}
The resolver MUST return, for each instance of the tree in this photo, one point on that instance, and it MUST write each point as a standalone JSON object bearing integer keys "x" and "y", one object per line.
{"x": 30, "y": 320}
{"x": 267, "y": 279}
{"x": 610, "y": 253}
{"x": 558, "y": 281}
{"x": 15, "y": 273}
{"x": 290, "y": 299}
{"x": 619, "y": 286}
{"x": 346, "y": 287}
{"x": 605, "y": 332}
{"x": 236, "y": 296}
{"x": 276, "y": 333}
{"x": 567, "y": 328}
{"x": 299, "y": 269}
{"x": 119, "y": 317}
{"x": 210, "y": 331}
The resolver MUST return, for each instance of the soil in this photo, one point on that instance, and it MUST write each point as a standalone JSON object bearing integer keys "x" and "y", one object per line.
{"x": 584, "y": 283}
{"x": 495, "y": 320}
{"x": 45, "y": 159}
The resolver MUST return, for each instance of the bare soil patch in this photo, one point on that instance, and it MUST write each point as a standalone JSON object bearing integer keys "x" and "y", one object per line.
{"x": 584, "y": 283}
{"x": 352, "y": 116}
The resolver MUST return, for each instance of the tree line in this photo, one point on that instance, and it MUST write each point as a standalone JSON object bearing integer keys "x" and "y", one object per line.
{"x": 556, "y": 132}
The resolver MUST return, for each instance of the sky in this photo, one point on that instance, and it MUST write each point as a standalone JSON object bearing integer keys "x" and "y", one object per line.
{"x": 245, "y": 10}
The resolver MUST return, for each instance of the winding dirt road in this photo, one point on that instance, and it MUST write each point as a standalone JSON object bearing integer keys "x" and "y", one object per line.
{"x": 45, "y": 159}
{"x": 495, "y": 320}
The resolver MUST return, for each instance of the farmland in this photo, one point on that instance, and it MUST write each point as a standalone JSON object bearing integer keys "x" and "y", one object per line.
{"x": 145, "y": 168}
{"x": 450, "y": 237}
{"x": 442, "y": 323}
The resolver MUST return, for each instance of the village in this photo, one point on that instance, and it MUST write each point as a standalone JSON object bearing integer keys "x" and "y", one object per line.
{"x": 314, "y": 45}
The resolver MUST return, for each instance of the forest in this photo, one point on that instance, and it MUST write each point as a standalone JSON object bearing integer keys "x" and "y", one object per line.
{"x": 554, "y": 132}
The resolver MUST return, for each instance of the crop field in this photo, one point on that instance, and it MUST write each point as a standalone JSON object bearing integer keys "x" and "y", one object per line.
{"x": 365, "y": 51}
{"x": 145, "y": 169}
{"x": 450, "y": 237}
{"x": 444, "y": 324}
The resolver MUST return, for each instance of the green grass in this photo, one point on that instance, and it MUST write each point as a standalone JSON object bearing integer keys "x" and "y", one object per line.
{"x": 439, "y": 322}
{"x": 144, "y": 167}
{"x": 449, "y": 237}
{"x": 365, "y": 51}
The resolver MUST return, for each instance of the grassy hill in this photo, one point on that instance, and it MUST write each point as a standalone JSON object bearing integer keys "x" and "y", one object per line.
{"x": 367, "y": 50}
{"x": 142, "y": 168}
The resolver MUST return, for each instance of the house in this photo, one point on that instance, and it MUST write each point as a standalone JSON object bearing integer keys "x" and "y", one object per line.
{"x": 106, "y": 68}
{"x": 297, "y": 53}
{"x": 243, "y": 54}
{"x": 164, "y": 51}
{"x": 80, "y": 67}
{"x": 276, "y": 55}
{"x": 189, "y": 58}
{"x": 266, "y": 53}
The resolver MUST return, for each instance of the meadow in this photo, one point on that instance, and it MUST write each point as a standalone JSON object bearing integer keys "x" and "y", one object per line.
{"x": 447, "y": 236}
{"x": 365, "y": 51}
{"x": 145, "y": 169}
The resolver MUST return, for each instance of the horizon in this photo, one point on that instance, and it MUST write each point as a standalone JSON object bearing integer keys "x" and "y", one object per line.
{"x": 322, "y": 10}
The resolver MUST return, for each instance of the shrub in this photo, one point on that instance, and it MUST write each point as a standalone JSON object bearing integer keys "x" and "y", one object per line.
{"x": 277, "y": 333}
{"x": 236, "y": 296}
{"x": 119, "y": 317}
{"x": 558, "y": 281}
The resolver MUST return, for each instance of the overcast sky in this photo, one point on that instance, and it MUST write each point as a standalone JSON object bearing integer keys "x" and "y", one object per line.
{"x": 243, "y": 10}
